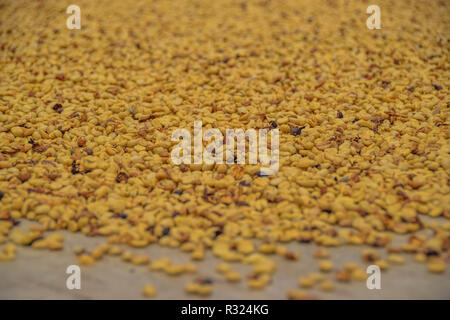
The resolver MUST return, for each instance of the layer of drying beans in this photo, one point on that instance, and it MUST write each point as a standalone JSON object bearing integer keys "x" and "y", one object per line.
{"x": 87, "y": 117}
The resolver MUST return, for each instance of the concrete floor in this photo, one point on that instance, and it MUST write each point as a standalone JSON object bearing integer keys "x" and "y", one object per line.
{"x": 40, "y": 274}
